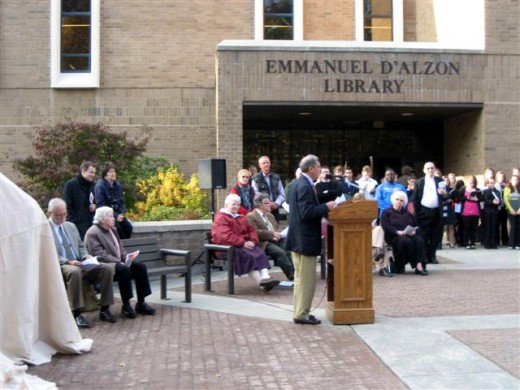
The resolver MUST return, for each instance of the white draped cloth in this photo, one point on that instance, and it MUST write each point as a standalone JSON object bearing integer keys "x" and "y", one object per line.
{"x": 36, "y": 321}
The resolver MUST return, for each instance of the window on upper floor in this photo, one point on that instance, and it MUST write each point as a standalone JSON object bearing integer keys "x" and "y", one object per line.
{"x": 377, "y": 20}
{"x": 75, "y": 43}
{"x": 75, "y": 36}
{"x": 374, "y": 23}
{"x": 278, "y": 19}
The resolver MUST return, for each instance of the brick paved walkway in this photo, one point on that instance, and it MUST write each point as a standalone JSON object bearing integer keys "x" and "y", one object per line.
{"x": 194, "y": 348}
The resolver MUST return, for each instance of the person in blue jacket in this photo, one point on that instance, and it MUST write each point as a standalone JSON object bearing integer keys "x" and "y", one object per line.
{"x": 108, "y": 192}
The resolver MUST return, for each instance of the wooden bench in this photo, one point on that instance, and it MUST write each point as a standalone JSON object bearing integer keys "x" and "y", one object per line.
{"x": 155, "y": 260}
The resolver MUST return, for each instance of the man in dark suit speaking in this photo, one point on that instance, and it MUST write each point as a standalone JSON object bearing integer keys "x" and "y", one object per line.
{"x": 304, "y": 237}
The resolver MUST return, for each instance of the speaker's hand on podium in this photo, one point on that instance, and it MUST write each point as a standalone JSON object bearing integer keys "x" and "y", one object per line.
{"x": 331, "y": 205}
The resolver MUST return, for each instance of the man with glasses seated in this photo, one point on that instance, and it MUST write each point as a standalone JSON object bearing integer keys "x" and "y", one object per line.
{"x": 271, "y": 240}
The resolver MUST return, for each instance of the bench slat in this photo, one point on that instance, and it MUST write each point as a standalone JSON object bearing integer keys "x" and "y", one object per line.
{"x": 145, "y": 257}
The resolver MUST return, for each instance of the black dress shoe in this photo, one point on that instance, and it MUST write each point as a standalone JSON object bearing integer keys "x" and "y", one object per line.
{"x": 144, "y": 308}
{"x": 311, "y": 320}
{"x": 82, "y": 322}
{"x": 422, "y": 272}
{"x": 105, "y": 315}
{"x": 127, "y": 311}
{"x": 433, "y": 261}
{"x": 269, "y": 284}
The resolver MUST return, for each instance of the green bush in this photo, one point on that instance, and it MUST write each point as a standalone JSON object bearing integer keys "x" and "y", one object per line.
{"x": 59, "y": 150}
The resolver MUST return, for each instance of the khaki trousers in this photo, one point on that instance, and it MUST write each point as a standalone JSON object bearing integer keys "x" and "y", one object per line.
{"x": 73, "y": 276}
{"x": 304, "y": 284}
{"x": 378, "y": 241}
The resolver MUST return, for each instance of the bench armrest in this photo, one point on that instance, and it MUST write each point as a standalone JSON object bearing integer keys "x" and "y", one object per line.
{"x": 215, "y": 247}
{"x": 187, "y": 262}
{"x": 178, "y": 252}
{"x": 174, "y": 252}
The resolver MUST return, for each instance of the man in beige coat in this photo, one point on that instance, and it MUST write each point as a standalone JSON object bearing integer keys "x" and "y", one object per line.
{"x": 271, "y": 240}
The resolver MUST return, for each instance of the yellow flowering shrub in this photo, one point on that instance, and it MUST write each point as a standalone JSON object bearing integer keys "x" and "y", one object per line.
{"x": 167, "y": 196}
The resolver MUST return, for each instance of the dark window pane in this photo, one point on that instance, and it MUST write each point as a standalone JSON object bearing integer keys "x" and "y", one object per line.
{"x": 278, "y": 19}
{"x": 276, "y": 27}
{"x": 75, "y": 5}
{"x": 75, "y": 34}
{"x": 278, "y": 6}
{"x": 75, "y": 64}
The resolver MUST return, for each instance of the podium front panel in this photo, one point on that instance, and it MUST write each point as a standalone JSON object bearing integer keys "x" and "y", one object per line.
{"x": 353, "y": 276}
{"x": 352, "y": 259}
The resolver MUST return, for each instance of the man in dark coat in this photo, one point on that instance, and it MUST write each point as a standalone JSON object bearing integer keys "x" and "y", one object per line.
{"x": 78, "y": 193}
{"x": 428, "y": 196}
{"x": 304, "y": 237}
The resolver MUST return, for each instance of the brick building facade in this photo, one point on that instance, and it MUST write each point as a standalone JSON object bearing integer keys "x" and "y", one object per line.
{"x": 198, "y": 74}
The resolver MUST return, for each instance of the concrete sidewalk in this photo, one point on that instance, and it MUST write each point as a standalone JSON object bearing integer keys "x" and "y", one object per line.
{"x": 458, "y": 328}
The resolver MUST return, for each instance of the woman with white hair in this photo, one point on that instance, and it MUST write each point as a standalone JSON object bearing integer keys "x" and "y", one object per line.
{"x": 103, "y": 242}
{"x": 232, "y": 228}
{"x": 407, "y": 245}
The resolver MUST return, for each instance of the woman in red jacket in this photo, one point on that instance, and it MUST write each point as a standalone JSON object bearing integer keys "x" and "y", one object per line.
{"x": 232, "y": 228}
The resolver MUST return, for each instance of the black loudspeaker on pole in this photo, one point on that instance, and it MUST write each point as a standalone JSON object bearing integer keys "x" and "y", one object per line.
{"x": 212, "y": 176}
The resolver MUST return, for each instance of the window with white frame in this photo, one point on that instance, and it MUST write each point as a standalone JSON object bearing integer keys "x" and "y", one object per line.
{"x": 382, "y": 23}
{"x": 379, "y": 21}
{"x": 421, "y": 23}
{"x": 75, "y": 43}
{"x": 279, "y": 19}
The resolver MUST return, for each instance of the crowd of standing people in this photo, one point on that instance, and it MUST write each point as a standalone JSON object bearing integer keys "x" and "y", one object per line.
{"x": 489, "y": 215}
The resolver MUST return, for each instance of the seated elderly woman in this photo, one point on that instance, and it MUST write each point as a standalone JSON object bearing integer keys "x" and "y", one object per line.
{"x": 232, "y": 228}
{"x": 408, "y": 246}
{"x": 103, "y": 242}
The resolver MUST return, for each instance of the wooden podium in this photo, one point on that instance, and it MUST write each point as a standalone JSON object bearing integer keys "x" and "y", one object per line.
{"x": 350, "y": 287}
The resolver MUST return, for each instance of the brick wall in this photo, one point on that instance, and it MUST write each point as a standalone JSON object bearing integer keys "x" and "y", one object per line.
{"x": 157, "y": 69}
{"x": 329, "y": 20}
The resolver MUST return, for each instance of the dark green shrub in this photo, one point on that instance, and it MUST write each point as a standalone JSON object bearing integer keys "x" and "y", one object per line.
{"x": 59, "y": 150}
